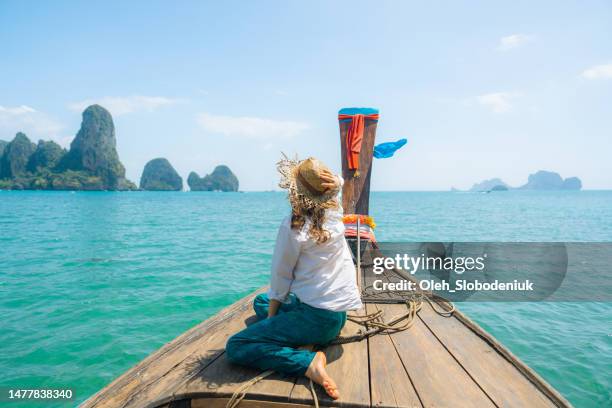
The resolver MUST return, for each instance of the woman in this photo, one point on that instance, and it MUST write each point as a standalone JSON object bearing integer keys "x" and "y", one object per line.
{"x": 313, "y": 282}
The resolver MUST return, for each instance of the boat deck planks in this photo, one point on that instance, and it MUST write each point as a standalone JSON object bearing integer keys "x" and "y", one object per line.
{"x": 483, "y": 364}
{"x": 390, "y": 384}
{"x": 439, "y": 361}
{"x": 438, "y": 379}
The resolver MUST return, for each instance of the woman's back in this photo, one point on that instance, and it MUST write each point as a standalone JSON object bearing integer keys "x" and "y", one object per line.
{"x": 323, "y": 274}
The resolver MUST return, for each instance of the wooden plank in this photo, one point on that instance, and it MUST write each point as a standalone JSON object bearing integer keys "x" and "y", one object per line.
{"x": 276, "y": 384}
{"x": 366, "y": 157}
{"x": 495, "y": 375}
{"x": 527, "y": 371}
{"x": 390, "y": 384}
{"x": 245, "y": 403}
{"x": 222, "y": 379}
{"x": 178, "y": 404}
{"x": 185, "y": 355}
{"x": 347, "y": 364}
{"x": 356, "y": 190}
{"x": 437, "y": 377}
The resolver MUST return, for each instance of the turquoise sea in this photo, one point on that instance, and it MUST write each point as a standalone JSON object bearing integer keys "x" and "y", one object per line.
{"x": 92, "y": 282}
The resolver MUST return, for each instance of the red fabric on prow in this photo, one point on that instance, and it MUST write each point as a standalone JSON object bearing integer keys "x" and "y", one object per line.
{"x": 354, "y": 137}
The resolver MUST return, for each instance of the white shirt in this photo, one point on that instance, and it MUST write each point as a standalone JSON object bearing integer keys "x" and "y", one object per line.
{"x": 320, "y": 275}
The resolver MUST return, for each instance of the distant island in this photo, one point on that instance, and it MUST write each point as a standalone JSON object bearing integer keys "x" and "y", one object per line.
{"x": 221, "y": 179}
{"x": 541, "y": 180}
{"x": 487, "y": 185}
{"x": 159, "y": 175}
{"x": 549, "y": 180}
{"x": 92, "y": 163}
{"x": 499, "y": 187}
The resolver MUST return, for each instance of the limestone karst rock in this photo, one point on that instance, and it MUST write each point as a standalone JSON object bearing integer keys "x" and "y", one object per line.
{"x": 94, "y": 150}
{"x": 572, "y": 183}
{"x": 543, "y": 180}
{"x": 16, "y": 155}
{"x": 487, "y": 185}
{"x": 92, "y": 163}
{"x": 3, "y": 144}
{"x": 221, "y": 179}
{"x": 540, "y": 180}
{"x": 46, "y": 156}
{"x": 159, "y": 175}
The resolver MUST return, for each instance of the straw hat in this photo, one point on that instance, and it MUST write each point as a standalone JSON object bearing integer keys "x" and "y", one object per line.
{"x": 302, "y": 178}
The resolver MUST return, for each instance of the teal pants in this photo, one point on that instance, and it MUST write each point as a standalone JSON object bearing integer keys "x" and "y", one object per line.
{"x": 270, "y": 344}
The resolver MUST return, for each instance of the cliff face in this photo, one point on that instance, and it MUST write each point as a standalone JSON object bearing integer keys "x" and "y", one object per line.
{"x": 46, "y": 156}
{"x": 94, "y": 150}
{"x": 16, "y": 156}
{"x": 159, "y": 175}
{"x": 221, "y": 179}
{"x": 3, "y": 144}
{"x": 91, "y": 164}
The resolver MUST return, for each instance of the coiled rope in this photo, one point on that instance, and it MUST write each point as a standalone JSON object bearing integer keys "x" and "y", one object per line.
{"x": 241, "y": 392}
{"x": 373, "y": 323}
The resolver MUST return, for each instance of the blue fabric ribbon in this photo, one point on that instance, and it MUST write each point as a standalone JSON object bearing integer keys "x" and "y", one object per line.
{"x": 386, "y": 150}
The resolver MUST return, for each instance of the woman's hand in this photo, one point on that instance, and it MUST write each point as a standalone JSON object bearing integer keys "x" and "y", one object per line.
{"x": 273, "y": 308}
{"x": 330, "y": 182}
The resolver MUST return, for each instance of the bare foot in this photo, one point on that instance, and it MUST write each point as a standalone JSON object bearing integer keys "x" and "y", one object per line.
{"x": 317, "y": 373}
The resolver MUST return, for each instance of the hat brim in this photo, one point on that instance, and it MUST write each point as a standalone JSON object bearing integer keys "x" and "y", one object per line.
{"x": 299, "y": 189}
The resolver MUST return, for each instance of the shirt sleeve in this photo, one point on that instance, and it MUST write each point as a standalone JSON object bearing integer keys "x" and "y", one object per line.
{"x": 286, "y": 253}
{"x": 340, "y": 180}
{"x": 340, "y": 183}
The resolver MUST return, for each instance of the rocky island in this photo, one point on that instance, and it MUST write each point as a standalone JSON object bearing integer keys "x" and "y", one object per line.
{"x": 487, "y": 185}
{"x": 571, "y": 183}
{"x": 92, "y": 163}
{"x": 549, "y": 180}
{"x": 16, "y": 156}
{"x": 159, "y": 175}
{"x": 46, "y": 156}
{"x": 540, "y": 180}
{"x": 499, "y": 187}
{"x": 221, "y": 179}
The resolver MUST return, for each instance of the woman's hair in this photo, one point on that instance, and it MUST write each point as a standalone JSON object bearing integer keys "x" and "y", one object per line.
{"x": 301, "y": 211}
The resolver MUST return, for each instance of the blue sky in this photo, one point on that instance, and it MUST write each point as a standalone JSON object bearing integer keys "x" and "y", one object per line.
{"x": 480, "y": 89}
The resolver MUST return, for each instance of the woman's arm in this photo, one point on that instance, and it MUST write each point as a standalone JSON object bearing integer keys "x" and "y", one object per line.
{"x": 286, "y": 254}
{"x": 331, "y": 181}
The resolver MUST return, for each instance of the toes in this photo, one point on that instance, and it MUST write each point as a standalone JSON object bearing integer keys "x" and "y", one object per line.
{"x": 331, "y": 389}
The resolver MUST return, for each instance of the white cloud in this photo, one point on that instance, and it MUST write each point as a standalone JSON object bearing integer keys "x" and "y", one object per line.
{"x": 26, "y": 119}
{"x": 17, "y": 110}
{"x": 513, "y": 41}
{"x": 598, "y": 72}
{"x": 498, "y": 102}
{"x": 120, "y": 105}
{"x": 250, "y": 127}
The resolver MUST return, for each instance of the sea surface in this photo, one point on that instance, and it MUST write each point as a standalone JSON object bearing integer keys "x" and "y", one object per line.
{"x": 92, "y": 282}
